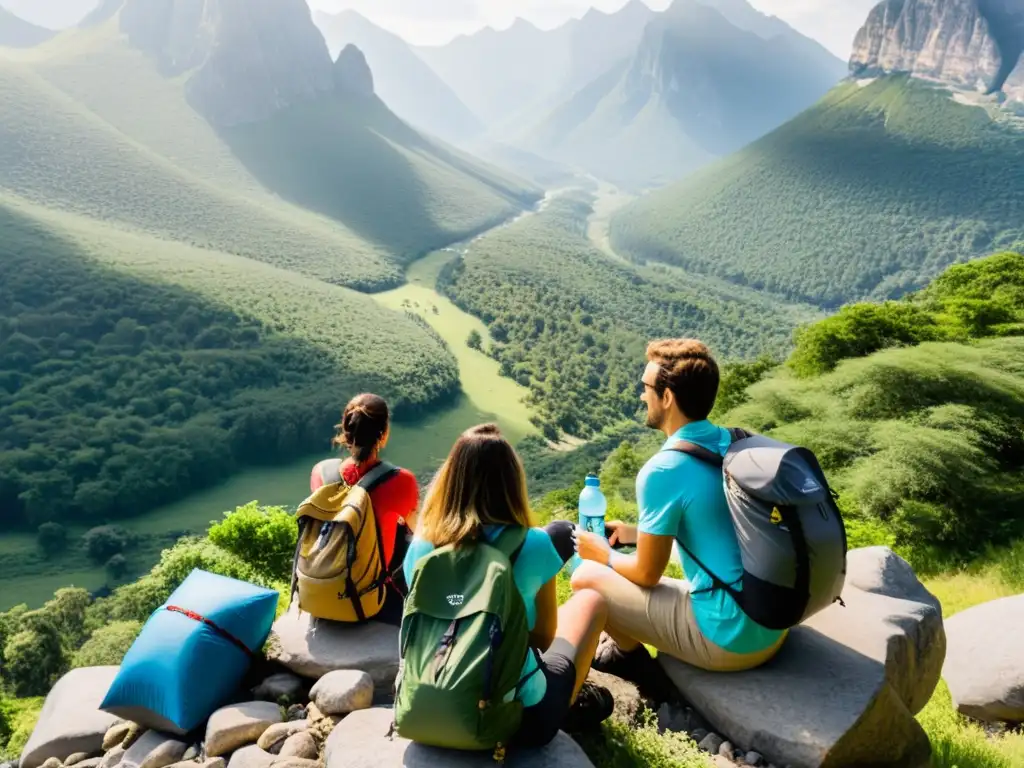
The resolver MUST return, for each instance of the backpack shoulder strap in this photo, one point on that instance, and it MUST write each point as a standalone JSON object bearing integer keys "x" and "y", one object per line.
{"x": 698, "y": 452}
{"x": 377, "y": 475}
{"x": 511, "y": 541}
{"x": 703, "y": 454}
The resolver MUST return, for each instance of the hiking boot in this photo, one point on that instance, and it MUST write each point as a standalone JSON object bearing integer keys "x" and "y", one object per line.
{"x": 594, "y": 704}
{"x": 636, "y": 666}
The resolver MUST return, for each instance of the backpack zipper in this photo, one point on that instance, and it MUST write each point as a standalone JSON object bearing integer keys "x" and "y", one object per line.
{"x": 495, "y": 637}
{"x": 444, "y": 649}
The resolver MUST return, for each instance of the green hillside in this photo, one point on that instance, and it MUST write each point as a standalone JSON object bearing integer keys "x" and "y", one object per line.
{"x": 869, "y": 194}
{"x": 572, "y": 324}
{"x": 133, "y": 371}
{"x": 122, "y": 144}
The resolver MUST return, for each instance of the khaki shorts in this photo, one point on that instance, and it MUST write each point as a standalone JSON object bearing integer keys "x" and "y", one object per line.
{"x": 664, "y": 617}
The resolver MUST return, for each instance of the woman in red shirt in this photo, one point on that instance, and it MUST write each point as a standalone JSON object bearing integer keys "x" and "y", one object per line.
{"x": 364, "y": 431}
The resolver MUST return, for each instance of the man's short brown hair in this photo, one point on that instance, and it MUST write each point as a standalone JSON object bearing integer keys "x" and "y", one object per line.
{"x": 689, "y": 370}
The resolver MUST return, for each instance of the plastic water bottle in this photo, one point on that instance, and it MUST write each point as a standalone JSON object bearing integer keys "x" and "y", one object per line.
{"x": 592, "y": 508}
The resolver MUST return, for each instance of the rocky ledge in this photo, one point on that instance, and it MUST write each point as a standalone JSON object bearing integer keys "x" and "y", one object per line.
{"x": 843, "y": 691}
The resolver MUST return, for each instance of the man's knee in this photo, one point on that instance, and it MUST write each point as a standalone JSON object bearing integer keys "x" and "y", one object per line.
{"x": 588, "y": 576}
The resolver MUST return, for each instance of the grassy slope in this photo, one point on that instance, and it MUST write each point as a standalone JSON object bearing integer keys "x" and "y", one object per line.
{"x": 136, "y": 154}
{"x": 868, "y": 194}
{"x": 572, "y": 323}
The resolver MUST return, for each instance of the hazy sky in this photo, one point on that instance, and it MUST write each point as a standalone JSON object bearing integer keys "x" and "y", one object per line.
{"x": 431, "y": 22}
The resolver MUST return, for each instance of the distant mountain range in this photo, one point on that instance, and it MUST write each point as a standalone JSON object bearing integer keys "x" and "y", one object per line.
{"x": 704, "y": 80}
{"x": 18, "y": 33}
{"x": 634, "y": 96}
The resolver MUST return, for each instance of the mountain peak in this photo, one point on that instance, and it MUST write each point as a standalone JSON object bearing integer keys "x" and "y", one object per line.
{"x": 245, "y": 59}
{"x": 973, "y": 44}
{"x": 352, "y": 74}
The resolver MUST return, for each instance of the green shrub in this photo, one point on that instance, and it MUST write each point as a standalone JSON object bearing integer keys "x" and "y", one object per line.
{"x": 108, "y": 645}
{"x": 22, "y": 714}
{"x": 105, "y": 541}
{"x": 624, "y": 745}
{"x": 857, "y": 331}
{"x": 52, "y": 538}
{"x": 262, "y": 537}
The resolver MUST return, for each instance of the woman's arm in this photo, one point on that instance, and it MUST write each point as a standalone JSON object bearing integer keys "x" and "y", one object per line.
{"x": 543, "y": 633}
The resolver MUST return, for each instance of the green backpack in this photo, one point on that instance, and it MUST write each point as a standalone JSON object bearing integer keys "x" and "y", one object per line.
{"x": 463, "y": 643}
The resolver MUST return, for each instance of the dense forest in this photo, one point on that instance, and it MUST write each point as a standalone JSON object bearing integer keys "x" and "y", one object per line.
{"x": 118, "y": 394}
{"x": 869, "y": 194}
{"x": 572, "y": 325}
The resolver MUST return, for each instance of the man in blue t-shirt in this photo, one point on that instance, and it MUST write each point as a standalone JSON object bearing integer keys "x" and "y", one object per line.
{"x": 682, "y": 504}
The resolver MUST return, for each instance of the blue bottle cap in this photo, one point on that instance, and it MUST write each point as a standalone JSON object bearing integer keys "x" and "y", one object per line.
{"x": 593, "y": 481}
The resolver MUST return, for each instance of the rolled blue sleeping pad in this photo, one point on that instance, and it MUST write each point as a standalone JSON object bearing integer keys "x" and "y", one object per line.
{"x": 192, "y": 653}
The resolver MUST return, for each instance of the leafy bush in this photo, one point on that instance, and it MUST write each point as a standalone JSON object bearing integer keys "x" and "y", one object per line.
{"x": 859, "y": 330}
{"x": 474, "y": 340}
{"x": 52, "y": 538}
{"x": 107, "y": 645}
{"x": 116, "y": 567}
{"x": 262, "y": 537}
{"x": 982, "y": 298}
{"x": 22, "y": 715}
{"x": 105, "y": 541}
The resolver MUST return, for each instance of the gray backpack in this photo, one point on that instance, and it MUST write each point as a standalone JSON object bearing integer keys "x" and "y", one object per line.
{"x": 791, "y": 533}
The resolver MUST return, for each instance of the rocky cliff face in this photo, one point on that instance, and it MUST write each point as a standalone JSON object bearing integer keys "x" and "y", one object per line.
{"x": 247, "y": 58}
{"x": 352, "y": 74}
{"x": 963, "y": 43}
{"x": 1014, "y": 85}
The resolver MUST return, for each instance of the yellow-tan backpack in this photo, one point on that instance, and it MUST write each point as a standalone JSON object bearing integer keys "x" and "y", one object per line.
{"x": 339, "y": 571}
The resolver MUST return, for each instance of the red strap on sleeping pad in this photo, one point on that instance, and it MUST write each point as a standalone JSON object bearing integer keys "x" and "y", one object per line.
{"x": 203, "y": 620}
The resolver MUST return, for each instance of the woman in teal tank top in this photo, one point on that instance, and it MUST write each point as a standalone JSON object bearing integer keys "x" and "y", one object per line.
{"x": 481, "y": 489}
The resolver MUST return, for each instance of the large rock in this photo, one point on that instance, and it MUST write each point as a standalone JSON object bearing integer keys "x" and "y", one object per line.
{"x": 985, "y": 662}
{"x": 313, "y": 647}
{"x": 845, "y": 686}
{"x": 342, "y": 691}
{"x": 154, "y": 750}
{"x": 361, "y": 741}
{"x": 71, "y": 720}
{"x": 251, "y": 757}
{"x": 238, "y": 725}
{"x": 283, "y": 685}
{"x": 272, "y": 738}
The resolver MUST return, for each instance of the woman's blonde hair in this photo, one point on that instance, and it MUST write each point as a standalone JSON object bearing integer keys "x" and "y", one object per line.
{"x": 482, "y": 482}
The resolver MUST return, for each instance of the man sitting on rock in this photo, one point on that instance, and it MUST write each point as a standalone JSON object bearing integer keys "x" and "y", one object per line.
{"x": 681, "y": 501}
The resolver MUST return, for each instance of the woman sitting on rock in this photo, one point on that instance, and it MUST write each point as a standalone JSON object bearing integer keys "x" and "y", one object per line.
{"x": 483, "y": 643}
{"x": 364, "y": 431}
